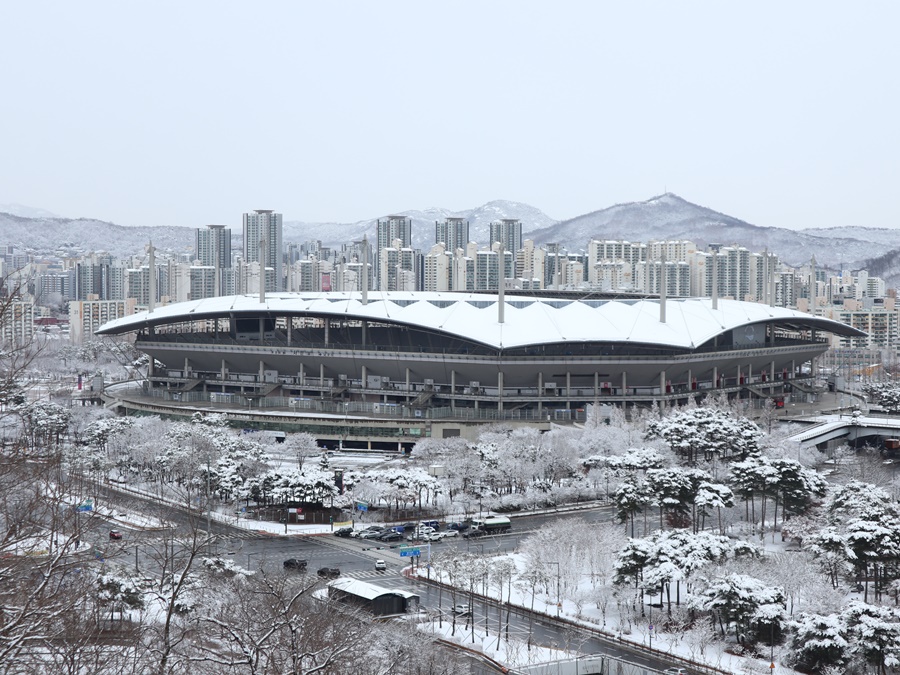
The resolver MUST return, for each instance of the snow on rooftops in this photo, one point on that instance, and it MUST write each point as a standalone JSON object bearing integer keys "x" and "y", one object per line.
{"x": 527, "y": 320}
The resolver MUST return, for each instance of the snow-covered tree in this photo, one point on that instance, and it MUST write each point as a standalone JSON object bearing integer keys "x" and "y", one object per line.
{"x": 820, "y": 641}
{"x": 707, "y": 432}
{"x": 745, "y": 605}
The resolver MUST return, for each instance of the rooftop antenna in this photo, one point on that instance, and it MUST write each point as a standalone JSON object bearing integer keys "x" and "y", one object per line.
{"x": 365, "y": 271}
{"x": 662, "y": 285}
{"x": 813, "y": 286}
{"x": 501, "y": 281}
{"x": 151, "y": 301}
{"x": 263, "y": 254}
{"x": 715, "y": 280}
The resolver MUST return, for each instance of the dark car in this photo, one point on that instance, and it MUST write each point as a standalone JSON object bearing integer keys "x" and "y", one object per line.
{"x": 431, "y": 523}
{"x": 115, "y": 534}
{"x": 294, "y": 564}
{"x": 343, "y": 532}
{"x": 472, "y": 534}
{"x": 390, "y": 536}
{"x": 328, "y": 572}
{"x": 459, "y": 527}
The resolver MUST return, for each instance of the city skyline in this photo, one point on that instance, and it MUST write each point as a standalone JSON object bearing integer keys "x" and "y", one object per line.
{"x": 783, "y": 114}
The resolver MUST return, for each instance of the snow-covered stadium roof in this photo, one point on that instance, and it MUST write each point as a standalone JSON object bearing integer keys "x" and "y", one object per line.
{"x": 690, "y": 322}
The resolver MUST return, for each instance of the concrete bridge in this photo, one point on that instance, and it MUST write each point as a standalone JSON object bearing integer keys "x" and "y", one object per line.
{"x": 846, "y": 428}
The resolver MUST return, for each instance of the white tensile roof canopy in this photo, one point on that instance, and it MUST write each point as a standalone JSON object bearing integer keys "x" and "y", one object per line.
{"x": 689, "y": 323}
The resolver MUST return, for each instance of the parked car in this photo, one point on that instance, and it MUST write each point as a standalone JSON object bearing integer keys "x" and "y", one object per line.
{"x": 433, "y": 536}
{"x": 371, "y": 534}
{"x": 431, "y": 523}
{"x": 115, "y": 534}
{"x": 328, "y": 572}
{"x": 458, "y": 527}
{"x": 380, "y": 566}
{"x": 343, "y": 532}
{"x": 294, "y": 564}
{"x": 390, "y": 535}
{"x": 462, "y": 609}
{"x": 472, "y": 534}
{"x": 449, "y": 533}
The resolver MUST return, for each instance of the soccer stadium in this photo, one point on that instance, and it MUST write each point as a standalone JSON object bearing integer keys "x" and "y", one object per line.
{"x": 384, "y": 369}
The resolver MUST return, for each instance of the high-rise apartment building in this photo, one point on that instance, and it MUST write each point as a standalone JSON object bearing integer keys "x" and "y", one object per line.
{"x": 259, "y": 225}
{"x": 507, "y": 231}
{"x": 453, "y": 233}
{"x": 392, "y": 228}
{"x": 213, "y": 246}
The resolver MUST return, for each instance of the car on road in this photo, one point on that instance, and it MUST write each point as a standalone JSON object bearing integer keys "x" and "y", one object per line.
{"x": 328, "y": 572}
{"x": 458, "y": 527}
{"x": 472, "y": 534}
{"x": 343, "y": 532}
{"x": 380, "y": 566}
{"x": 433, "y": 536}
{"x": 294, "y": 564}
{"x": 390, "y": 535}
{"x": 462, "y": 609}
{"x": 115, "y": 534}
{"x": 450, "y": 533}
{"x": 370, "y": 528}
{"x": 676, "y": 671}
{"x": 371, "y": 534}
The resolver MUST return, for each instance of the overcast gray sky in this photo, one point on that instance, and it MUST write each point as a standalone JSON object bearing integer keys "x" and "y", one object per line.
{"x": 187, "y": 113}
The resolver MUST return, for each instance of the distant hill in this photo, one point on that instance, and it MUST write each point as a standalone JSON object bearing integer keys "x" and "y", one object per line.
{"x": 334, "y": 234}
{"x": 669, "y": 216}
{"x": 65, "y": 236}
{"x": 666, "y": 216}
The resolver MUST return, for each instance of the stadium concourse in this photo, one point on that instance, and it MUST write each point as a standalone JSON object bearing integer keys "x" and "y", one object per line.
{"x": 384, "y": 369}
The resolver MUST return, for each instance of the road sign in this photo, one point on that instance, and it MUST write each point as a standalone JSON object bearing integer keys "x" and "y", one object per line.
{"x": 409, "y": 551}
{"x": 362, "y": 506}
{"x": 86, "y": 505}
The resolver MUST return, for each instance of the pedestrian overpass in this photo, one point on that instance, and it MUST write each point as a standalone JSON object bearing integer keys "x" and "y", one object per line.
{"x": 846, "y": 428}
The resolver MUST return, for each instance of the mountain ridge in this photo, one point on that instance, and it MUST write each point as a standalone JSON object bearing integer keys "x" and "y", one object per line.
{"x": 665, "y": 216}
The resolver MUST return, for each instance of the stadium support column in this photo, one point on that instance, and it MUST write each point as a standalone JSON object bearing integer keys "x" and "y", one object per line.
{"x": 322, "y": 376}
{"x": 540, "y": 395}
{"x": 715, "y": 379}
{"x": 624, "y": 386}
{"x": 262, "y": 367}
{"x": 290, "y": 325}
{"x": 363, "y": 381}
{"x": 187, "y": 367}
{"x": 500, "y": 392}
{"x": 407, "y": 380}
{"x": 223, "y": 375}
{"x": 596, "y": 384}
{"x": 772, "y": 374}
{"x": 662, "y": 388}
{"x": 568, "y": 390}
{"x": 327, "y": 331}
{"x": 453, "y": 390}
{"x": 365, "y": 331}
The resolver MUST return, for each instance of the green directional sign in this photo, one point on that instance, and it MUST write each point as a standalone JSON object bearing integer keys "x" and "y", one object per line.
{"x": 409, "y": 551}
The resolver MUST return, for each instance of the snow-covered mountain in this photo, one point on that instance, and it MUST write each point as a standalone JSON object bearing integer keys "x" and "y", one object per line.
{"x": 669, "y": 216}
{"x": 68, "y": 237}
{"x": 334, "y": 234}
{"x": 26, "y": 211}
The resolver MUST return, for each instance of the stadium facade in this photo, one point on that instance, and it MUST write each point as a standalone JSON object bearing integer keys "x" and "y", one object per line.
{"x": 393, "y": 367}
